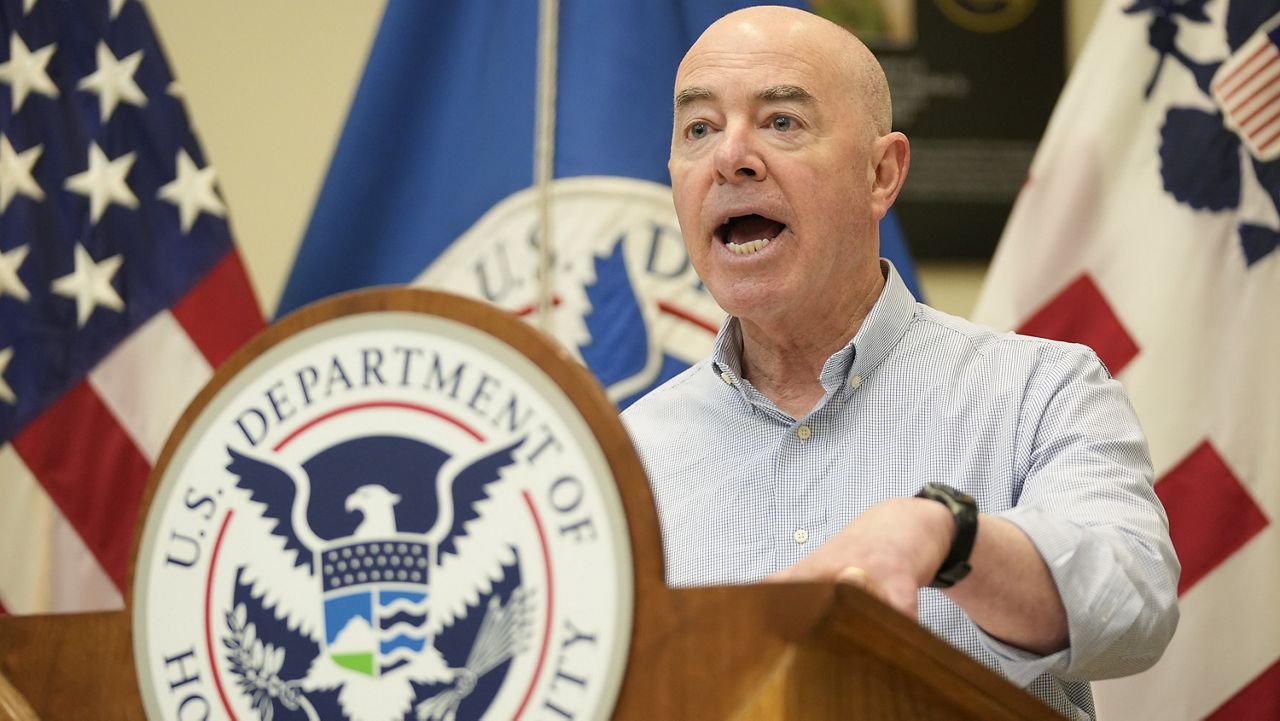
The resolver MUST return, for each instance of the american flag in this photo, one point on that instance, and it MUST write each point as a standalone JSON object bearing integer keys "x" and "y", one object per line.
{"x": 120, "y": 291}
{"x": 1247, "y": 88}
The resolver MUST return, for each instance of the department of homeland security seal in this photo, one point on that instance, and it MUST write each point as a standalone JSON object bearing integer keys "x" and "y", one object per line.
{"x": 386, "y": 514}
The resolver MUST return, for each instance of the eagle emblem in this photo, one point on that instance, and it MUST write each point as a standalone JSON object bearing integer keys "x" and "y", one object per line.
{"x": 415, "y": 609}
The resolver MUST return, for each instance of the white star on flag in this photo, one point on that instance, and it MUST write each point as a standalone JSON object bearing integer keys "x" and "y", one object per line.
{"x": 90, "y": 284}
{"x": 6, "y": 393}
{"x": 113, "y": 81}
{"x": 10, "y": 283}
{"x": 115, "y": 8}
{"x": 192, "y": 191}
{"x": 15, "y": 173}
{"x": 104, "y": 182}
{"x": 25, "y": 73}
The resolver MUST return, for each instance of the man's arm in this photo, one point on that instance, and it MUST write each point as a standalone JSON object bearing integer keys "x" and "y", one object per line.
{"x": 1082, "y": 561}
{"x": 1010, "y": 593}
{"x": 896, "y": 547}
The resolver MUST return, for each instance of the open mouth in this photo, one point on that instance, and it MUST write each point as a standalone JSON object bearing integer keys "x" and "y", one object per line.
{"x": 746, "y": 234}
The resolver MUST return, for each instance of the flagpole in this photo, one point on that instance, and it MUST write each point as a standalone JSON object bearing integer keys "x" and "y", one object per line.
{"x": 544, "y": 154}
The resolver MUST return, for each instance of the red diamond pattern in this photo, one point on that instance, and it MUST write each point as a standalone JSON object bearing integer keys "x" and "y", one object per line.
{"x": 1081, "y": 314}
{"x": 1210, "y": 514}
{"x": 1256, "y": 702}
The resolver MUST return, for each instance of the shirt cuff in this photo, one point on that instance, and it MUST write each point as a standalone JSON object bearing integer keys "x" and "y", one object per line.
{"x": 1099, "y": 599}
{"x": 1020, "y": 666}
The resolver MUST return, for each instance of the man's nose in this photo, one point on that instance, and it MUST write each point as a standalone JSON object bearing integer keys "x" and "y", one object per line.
{"x": 738, "y": 157}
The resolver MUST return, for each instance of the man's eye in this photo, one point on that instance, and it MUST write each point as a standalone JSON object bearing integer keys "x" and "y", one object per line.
{"x": 698, "y": 130}
{"x": 783, "y": 123}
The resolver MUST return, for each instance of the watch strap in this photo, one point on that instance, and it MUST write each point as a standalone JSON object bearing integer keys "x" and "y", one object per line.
{"x": 965, "y": 512}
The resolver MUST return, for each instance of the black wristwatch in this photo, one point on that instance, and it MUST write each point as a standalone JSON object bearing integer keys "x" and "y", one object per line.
{"x": 965, "y": 511}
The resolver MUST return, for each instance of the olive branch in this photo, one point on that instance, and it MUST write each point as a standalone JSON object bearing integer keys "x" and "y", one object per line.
{"x": 256, "y": 666}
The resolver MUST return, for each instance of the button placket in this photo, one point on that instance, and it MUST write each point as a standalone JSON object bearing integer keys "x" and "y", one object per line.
{"x": 792, "y": 539}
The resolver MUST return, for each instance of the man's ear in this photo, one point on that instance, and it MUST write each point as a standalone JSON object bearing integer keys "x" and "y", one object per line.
{"x": 890, "y": 158}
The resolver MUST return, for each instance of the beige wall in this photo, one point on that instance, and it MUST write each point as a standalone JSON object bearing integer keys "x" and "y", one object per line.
{"x": 268, "y": 83}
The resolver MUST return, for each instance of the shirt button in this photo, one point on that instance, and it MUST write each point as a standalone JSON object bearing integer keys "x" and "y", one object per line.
{"x": 805, "y": 432}
{"x": 801, "y": 535}
{"x": 855, "y": 382}
{"x": 727, "y": 377}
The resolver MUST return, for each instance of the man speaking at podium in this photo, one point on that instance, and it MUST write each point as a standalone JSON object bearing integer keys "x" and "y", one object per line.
{"x": 841, "y": 431}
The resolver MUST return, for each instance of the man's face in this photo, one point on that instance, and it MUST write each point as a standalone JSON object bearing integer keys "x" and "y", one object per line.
{"x": 771, "y": 172}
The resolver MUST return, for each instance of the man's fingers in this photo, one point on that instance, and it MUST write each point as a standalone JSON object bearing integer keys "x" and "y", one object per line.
{"x": 806, "y": 571}
{"x": 854, "y": 576}
{"x": 900, "y": 596}
{"x": 904, "y": 599}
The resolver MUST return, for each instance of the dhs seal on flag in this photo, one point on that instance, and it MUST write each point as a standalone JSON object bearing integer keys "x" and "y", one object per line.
{"x": 380, "y": 511}
{"x": 627, "y": 301}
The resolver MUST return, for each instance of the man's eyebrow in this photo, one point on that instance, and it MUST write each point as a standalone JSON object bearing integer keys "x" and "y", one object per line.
{"x": 793, "y": 93}
{"x": 689, "y": 96}
{"x": 773, "y": 93}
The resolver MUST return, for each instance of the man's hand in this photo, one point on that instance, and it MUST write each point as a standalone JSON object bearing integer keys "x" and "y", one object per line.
{"x": 890, "y": 551}
{"x": 897, "y": 546}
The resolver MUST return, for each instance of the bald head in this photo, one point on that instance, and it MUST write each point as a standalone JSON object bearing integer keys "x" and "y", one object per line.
{"x": 760, "y": 29}
{"x": 782, "y": 165}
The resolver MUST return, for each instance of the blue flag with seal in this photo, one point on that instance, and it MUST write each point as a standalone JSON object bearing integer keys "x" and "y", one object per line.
{"x": 433, "y": 181}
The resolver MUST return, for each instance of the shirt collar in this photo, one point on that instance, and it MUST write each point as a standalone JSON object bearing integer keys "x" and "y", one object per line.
{"x": 880, "y": 331}
{"x": 726, "y": 356}
{"x": 885, "y": 325}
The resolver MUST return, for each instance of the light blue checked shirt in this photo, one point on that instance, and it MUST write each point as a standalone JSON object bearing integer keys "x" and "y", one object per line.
{"x": 1036, "y": 431}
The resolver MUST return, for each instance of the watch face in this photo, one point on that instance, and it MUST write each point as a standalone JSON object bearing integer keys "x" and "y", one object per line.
{"x": 947, "y": 494}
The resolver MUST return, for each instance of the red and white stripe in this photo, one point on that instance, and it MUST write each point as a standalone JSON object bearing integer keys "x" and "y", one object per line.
{"x": 1247, "y": 89}
{"x": 73, "y": 479}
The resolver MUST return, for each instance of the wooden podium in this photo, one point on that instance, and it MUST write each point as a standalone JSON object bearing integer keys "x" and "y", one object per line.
{"x": 786, "y": 651}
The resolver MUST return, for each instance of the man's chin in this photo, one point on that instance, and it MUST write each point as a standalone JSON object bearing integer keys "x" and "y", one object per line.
{"x": 747, "y": 300}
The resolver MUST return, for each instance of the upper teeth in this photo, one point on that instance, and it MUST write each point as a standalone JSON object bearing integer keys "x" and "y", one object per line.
{"x": 748, "y": 247}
